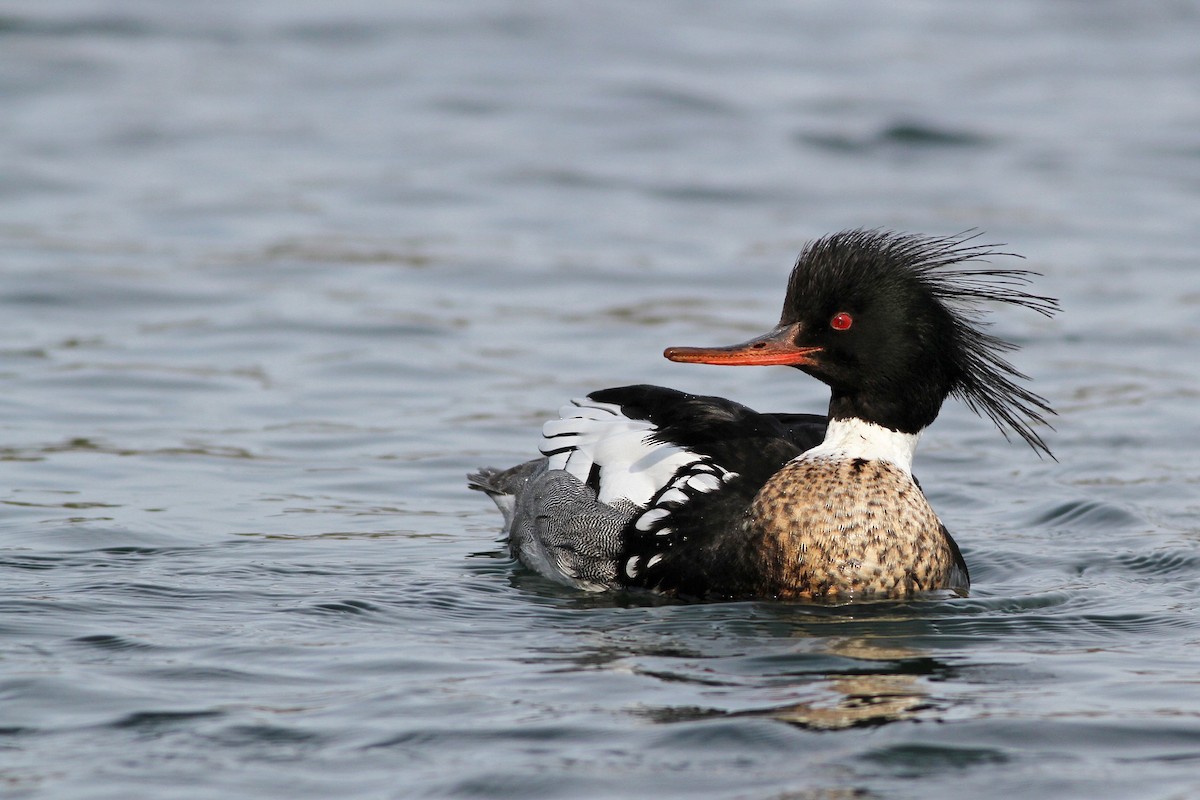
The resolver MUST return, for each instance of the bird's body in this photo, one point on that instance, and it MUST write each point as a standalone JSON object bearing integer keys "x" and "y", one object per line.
{"x": 642, "y": 486}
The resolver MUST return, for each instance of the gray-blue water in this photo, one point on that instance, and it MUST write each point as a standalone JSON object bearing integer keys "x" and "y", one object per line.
{"x": 275, "y": 275}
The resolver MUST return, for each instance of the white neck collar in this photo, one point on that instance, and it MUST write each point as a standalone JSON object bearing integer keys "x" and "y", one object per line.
{"x": 856, "y": 438}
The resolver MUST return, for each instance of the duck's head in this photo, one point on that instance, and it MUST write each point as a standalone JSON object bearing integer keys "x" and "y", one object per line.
{"x": 891, "y": 323}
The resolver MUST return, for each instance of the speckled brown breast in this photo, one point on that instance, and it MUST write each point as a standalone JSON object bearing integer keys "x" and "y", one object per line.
{"x": 834, "y": 527}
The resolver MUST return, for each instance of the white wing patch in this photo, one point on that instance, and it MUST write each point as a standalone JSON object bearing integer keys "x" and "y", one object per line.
{"x": 597, "y": 435}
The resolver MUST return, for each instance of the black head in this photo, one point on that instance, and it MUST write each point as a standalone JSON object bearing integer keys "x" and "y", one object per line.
{"x": 891, "y": 322}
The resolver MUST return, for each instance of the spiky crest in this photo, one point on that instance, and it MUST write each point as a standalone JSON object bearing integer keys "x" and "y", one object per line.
{"x": 986, "y": 381}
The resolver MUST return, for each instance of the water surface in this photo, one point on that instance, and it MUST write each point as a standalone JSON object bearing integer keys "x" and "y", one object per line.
{"x": 275, "y": 276}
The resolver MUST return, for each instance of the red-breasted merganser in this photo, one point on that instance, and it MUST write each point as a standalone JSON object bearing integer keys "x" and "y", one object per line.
{"x": 693, "y": 496}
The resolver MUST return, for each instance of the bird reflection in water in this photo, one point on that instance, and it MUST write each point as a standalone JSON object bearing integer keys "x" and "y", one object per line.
{"x": 866, "y": 696}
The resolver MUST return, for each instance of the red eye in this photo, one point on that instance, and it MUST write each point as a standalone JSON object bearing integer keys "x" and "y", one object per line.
{"x": 841, "y": 321}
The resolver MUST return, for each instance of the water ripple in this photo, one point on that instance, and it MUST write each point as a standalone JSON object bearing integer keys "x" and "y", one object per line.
{"x": 112, "y": 642}
{"x": 1087, "y": 514}
{"x": 158, "y": 721}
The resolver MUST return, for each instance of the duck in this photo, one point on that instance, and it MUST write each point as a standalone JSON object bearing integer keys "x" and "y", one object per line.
{"x": 649, "y": 488}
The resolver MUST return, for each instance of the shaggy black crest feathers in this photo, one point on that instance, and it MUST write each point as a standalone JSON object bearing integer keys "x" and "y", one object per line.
{"x": 893, "y": 264}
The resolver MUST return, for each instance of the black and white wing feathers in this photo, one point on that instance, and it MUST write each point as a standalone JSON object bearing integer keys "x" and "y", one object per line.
{"x": 629, "y": 473}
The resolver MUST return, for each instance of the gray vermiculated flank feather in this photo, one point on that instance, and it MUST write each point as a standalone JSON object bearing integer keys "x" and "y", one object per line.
{"x": 555, "y": 520}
